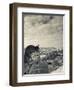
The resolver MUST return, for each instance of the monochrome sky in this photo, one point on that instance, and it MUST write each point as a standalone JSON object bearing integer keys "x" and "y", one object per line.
{"x": 45, "y": 30}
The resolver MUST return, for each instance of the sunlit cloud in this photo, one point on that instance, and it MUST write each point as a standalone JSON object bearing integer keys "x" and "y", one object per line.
{"x": 45, "y": 30}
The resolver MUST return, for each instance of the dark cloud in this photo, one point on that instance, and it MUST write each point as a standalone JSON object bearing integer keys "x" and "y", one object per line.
{"x": 38, "y": 19}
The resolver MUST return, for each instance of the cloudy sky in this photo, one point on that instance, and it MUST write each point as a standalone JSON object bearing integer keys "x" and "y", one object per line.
{"x": 45, "y": 30}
